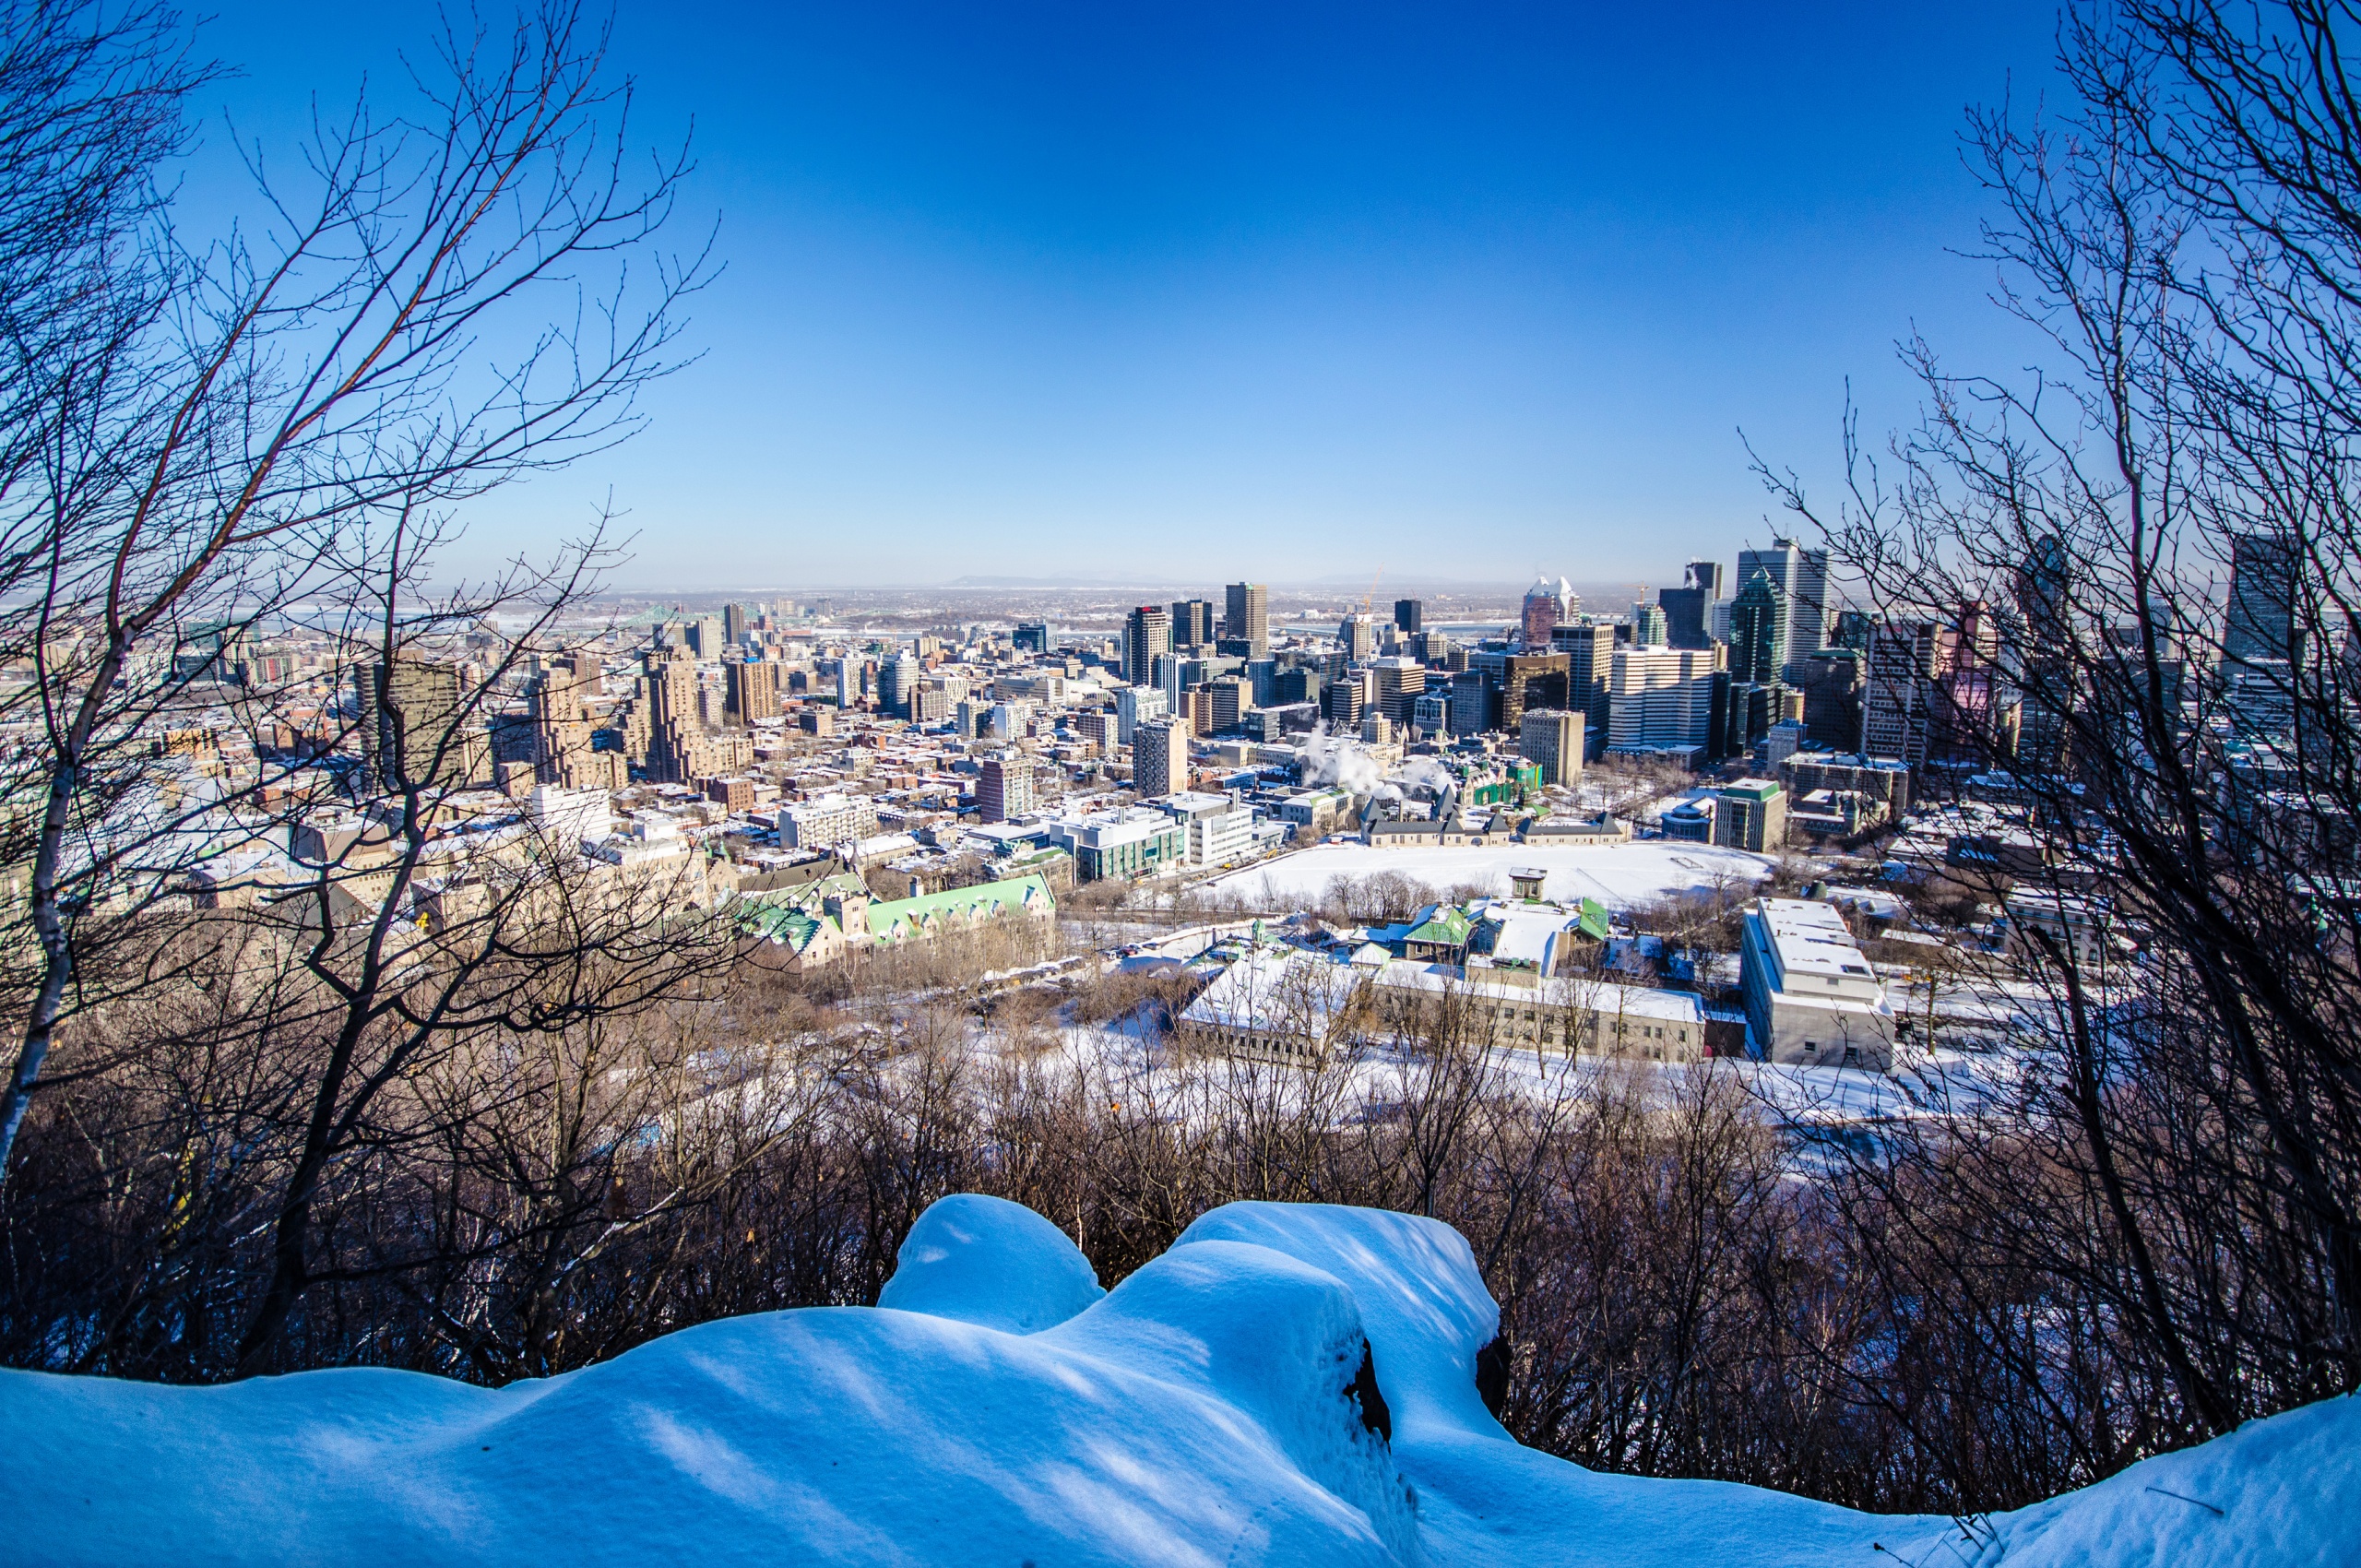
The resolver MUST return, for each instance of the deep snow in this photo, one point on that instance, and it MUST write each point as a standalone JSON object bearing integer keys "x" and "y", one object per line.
{"x": 1215, "y": 1408}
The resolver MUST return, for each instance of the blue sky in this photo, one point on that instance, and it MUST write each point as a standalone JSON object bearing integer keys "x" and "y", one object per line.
{"x": 1188, "y": 291}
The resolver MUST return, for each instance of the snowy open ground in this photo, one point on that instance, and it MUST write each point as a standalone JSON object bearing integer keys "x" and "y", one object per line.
{"x": 1617, "y": 875}
{"x": 1289, "y": 1384}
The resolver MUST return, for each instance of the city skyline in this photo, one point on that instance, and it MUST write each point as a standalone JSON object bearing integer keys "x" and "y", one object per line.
{"x": 1031, "y": 296}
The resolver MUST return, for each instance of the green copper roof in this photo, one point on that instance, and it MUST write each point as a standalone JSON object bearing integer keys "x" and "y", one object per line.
{"x": 1447, "y": 925}
{"x": 1593, "y": 922}
{"x": 890, "y": 921}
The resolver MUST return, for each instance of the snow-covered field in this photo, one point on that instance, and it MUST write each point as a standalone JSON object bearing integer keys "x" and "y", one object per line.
{"x": 1617, "y": 875}
{"x": 1289, "y": 1385}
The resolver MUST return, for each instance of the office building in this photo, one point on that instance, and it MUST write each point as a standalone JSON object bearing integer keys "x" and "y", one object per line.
{"x": 1121, "y": 845}
{"x": 1161, "y": 757}
{"x": 1147, "y": 636}
{"x": 1472, "y": 702}
{"x": 735, "y": 623}
{"x": 1553, "y": 738}
{"x": 1648, "y": 626}
{"x": 1400, "y": 684}
{"x": 1216, "y": 706}
{"x": 1409, "y": 616}
{"x": 1829, "y": 685}
{"x": 704, "y": 637}
{"x": 1688, "y": 610}
{"x": 1589, "y": 649}
{"x": 1247, "y": 617}
{"x": 1800, "y": 578}
{"x": 1521, "y": 681}
{"x": 1192, "y": 622}
{"x": 1897, "y": 690}
{"x": 2262, "y": 623}
{"x": 1032, "y": 636}
{"x": 1005, "y": 788}
{"x": 1758, "y": 630}
{"x": 1219, "y": 829}
{"x": 1357, "y": 637}
{"x": 1750, "y": 814}
{"x": 1548, "y": 605}
{"x": 1811, "y": 998}
{"x": 1431, "y": 715}
{"x": 1661, "y": 697}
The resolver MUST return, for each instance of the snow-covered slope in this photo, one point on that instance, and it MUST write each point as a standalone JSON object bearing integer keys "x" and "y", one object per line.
{"x": 1289, "y": 1385}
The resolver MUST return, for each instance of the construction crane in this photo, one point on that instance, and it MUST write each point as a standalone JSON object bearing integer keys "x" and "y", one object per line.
{"x": 1368, "y": 599}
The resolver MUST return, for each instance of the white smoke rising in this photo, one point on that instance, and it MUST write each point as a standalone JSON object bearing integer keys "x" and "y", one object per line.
{"x": 1342, "y": 761}
{"x": 1425, "y": 773}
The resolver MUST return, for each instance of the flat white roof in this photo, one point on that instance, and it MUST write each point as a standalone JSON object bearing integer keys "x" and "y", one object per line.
{"x": 1811, "y": 938}
{"x": 1597, "y": 996}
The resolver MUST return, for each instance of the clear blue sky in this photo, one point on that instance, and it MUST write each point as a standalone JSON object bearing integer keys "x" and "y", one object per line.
{"x": 1198, "y": 290}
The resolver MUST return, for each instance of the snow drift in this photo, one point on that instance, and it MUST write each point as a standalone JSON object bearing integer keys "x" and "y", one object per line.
{"x": 1289, "y": 1385}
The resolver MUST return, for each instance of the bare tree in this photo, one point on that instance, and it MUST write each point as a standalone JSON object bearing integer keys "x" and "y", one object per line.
{"x": 235, "y": 432}
{"x": 2153, "y": 537}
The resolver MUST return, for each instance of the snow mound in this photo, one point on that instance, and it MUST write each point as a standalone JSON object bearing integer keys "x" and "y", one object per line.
{"x": 1286, "y": 1385}
{"x": 2286, "y": 1490}
{"x": 1428, "y": 1316}
{"x": 992, "y": 1263}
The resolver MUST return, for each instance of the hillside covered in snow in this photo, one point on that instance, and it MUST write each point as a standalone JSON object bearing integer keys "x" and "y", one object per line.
{"x": 1288, "y": 1384}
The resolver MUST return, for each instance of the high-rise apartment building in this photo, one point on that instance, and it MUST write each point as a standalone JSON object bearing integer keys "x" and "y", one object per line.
{"x": 1248, "y": 617}
{"x": 415, "y": 728}
{"x": 1192, "y": 622}
{"x": 1409, "y": 616}
{"x": 675, "y": 722}
{"x": 561, "y": 726}
{"x": 897, "y": 678}
{"x": 754, "y": 689}
{"x": 1005, "y": 788}
{"x": 1136, "y": 705}
{"x": 1553, "y": 737}
{"x": 1161, "y": 757}
{"x": 704, "y": 637}
{"x": 1147, "y": 635}
{"x": 735, "y": 623}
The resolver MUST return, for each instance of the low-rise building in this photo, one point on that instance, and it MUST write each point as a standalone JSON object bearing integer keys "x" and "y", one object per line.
{"x": 1124, "y": 845}
{"x": 1811, "y": 997}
